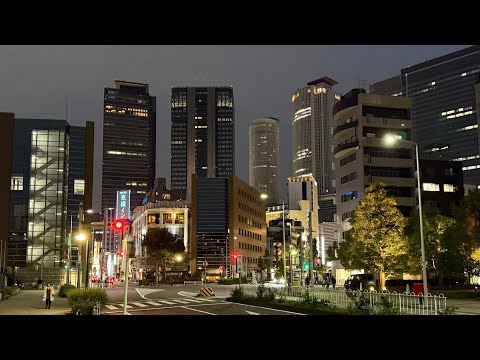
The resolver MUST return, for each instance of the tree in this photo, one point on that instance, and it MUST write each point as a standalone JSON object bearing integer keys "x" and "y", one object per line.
{"x": 376, "y": 241}
{"x": 265, "y": 262}
{"x": 434, "y": 227}
{"x": 161, "y": 247}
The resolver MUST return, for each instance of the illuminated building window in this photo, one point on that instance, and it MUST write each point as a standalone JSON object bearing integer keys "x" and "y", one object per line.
{"x": 167, "y": 218}
{"x": 16, "y": 183}
{"x": 448, "y": 188}
{"x": 78, "y": 187}
{"x": 431, "y": 187}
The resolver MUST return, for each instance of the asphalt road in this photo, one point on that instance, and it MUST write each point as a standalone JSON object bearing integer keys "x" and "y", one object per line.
{"x": 180, "y": 300}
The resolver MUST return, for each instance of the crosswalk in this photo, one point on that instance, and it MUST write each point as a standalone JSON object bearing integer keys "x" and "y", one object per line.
{"x": 159, "y": 303}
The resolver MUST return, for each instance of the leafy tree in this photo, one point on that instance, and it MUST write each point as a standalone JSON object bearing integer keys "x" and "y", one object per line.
{"x": 265, "y": 262}
{"x": 161, "y": 247}
{"x": 434, "y": 226}
{"x": 376, "y": 241}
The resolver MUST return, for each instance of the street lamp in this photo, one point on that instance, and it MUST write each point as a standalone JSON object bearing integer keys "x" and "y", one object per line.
{"x": 292, "y": 252}
{"x": 80, "y": 237}
{"x": 391, "y": 139}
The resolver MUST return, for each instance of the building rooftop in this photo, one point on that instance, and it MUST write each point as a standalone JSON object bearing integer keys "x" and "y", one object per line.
{"x": 325, "y": 80}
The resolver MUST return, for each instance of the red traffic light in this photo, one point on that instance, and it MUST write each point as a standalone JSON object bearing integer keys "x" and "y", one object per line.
{"x": 122, "y": 252}
{"x": 317, "y": 260}
{"x": 118, "y": 224}
{"x": 235, "y": 256}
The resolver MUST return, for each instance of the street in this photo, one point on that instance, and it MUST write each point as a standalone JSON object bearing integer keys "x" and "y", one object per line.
{"x": 180, "y": 300}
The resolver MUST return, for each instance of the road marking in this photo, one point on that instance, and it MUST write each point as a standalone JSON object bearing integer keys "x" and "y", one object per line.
{"x": 181, "y": 301}
{"x": 168, "y": 307}
{"x": 167, "y": 302}
{"x": 261, "y": 307}
{"x": 128, "y": 306}
{"x": 154, "y": 303}
{"x": 251, "y": 312}
{"x": 193, "y": 300}
{"x": 205, "y": 312}
{"x": 111, "y": 307}
{"x": 139, "y": 304}
{"x": 187, "y": 293}
{"x": 205, "y": 299}
{"x": 144, "y": 292}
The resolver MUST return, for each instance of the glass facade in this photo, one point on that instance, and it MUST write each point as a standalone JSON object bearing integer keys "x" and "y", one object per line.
{"x": 312, "y": 132}
{"x": 202, "y": 134}
{"x": 47, "y": 197}
{"x": 38, "y": 209}
{"x": 129, "y": 141}
{"x": 442, "y": 91}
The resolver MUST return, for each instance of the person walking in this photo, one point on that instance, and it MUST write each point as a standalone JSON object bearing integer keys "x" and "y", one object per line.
{"x": 48, "y": 295}
{"x": 333, "y": 281}
{"x": 307, "y": 281}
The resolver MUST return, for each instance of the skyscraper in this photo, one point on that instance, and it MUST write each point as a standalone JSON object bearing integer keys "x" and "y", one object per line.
{"x": 445, "y": 125}
{"x": 129, "y": 141}
{"x": 264, "y": 150}
{"x": 202, "y": 135}
{"x": 311, "y": 132}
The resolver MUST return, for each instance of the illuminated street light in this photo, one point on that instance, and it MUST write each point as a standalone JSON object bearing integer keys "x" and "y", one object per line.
{"x": 391, "y": 139}
{"x": 179, "y": 258}
{"x": 80, "y": 237}
{"x": 263, "y": 196}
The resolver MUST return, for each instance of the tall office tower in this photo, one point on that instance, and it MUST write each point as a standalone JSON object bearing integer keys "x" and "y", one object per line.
{"x": 228, "y": 218}
{"x": 312, "y": 132}
{"x": 202, "y": 135}
{"x": 391, "y": 87}
{"x": 129, "y": 141}
{"x": 38, "y": 199}
{"x": 363, "y": 157}
{"x": 264, "y": 156}
{"x": 442, "y": 91}
{"x": 80, "y": 174}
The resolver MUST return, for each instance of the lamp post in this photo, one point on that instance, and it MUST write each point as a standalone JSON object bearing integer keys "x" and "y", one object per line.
{"x": 390, "y": 139}
{"x": 79, "y": 237}
{"x": 292, "y": 252}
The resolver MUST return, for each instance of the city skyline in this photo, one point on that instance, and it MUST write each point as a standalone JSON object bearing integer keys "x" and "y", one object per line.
{"x": 72, "y": 79}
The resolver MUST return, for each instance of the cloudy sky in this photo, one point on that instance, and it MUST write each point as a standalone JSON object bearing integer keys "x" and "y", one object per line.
{"x": 36, "y": 79}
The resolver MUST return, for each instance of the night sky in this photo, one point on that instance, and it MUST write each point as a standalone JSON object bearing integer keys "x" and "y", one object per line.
{"x": 35, "y": 80}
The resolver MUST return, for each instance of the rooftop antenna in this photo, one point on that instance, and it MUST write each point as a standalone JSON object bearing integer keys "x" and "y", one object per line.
{"x": 363, "y": 83}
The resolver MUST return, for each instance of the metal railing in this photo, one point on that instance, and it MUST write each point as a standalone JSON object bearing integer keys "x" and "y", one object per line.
{"x": 406, "y": 303}
{"x": 97, "y": 309}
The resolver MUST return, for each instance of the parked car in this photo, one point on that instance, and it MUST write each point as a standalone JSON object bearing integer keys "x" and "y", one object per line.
{"x": 367, "y": 280}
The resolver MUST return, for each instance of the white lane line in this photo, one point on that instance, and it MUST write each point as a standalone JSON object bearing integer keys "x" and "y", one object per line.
{"x": 205, "y": 312}
{"x": 128, "y": 306}
{"x": 144, "y": 292}
{"x": 193, "y": 300}
{"x": 167, "y": 302}
{"x": 261, "y": 307}
{"x": 180, "y": 301}
{"x": 169, "y": 307}
{"x": 205, "y": 299}
{"x": 111, "y": 307}
{"x": 139, "y": 304}
{"x": 154, "y": 303}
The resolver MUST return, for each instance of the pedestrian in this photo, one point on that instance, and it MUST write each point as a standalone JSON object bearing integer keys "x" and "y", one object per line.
{"x": 171, "y": 281}
{"x": 307, "y": 281}
{"x": 326, "y": 280}
{"x": 48, "y": 295}
{"x": 333, "y": 281}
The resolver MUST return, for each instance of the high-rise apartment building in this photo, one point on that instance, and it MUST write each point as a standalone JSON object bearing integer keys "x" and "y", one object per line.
{"x": 264, "y": 158}
{"x": 445, "y": 125}
{"x": 362, "y": 155}
{"x": 202, "y": 135}
{"x": 129, "y": 141}
{"x": 312, "y": 132}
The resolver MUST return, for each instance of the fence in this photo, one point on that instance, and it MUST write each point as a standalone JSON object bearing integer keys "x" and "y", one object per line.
{"x": 406, "y": 303}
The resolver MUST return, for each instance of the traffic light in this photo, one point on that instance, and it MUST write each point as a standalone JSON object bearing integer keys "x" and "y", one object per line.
{"x": 235, "y": 256}
{"x": 121, "y": 253}
{"x": 119, "y": 224}
{"x": 306, "y": 266}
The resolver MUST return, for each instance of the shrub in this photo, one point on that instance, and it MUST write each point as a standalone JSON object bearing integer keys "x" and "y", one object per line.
{"x": 12, "y": 290}
{"x": 237, "y": 293}
{"x": 387, "y": 307}
{"x": 229, "y": 281}
{"x": 361, "y": 304}
{"x": 64, "y": 289}
{"x": 449, "y": 310}
{"x": 86, "y": 299}
{"x": 261, "y": 291}
{"x": 269, "y": 296}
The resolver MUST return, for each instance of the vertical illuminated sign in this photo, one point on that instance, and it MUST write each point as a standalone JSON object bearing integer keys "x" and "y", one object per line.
{"x": 122, "y": 210}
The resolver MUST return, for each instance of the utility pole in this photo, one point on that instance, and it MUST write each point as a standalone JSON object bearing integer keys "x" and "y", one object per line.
{"x": 69, "y": 250}
{"x": 284, "y": 247}
{"x": 80, "y": 255}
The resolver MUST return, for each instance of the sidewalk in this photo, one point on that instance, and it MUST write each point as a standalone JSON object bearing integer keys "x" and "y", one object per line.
{"x": 29, "y": 302}
{"x": 466, "y": 306}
